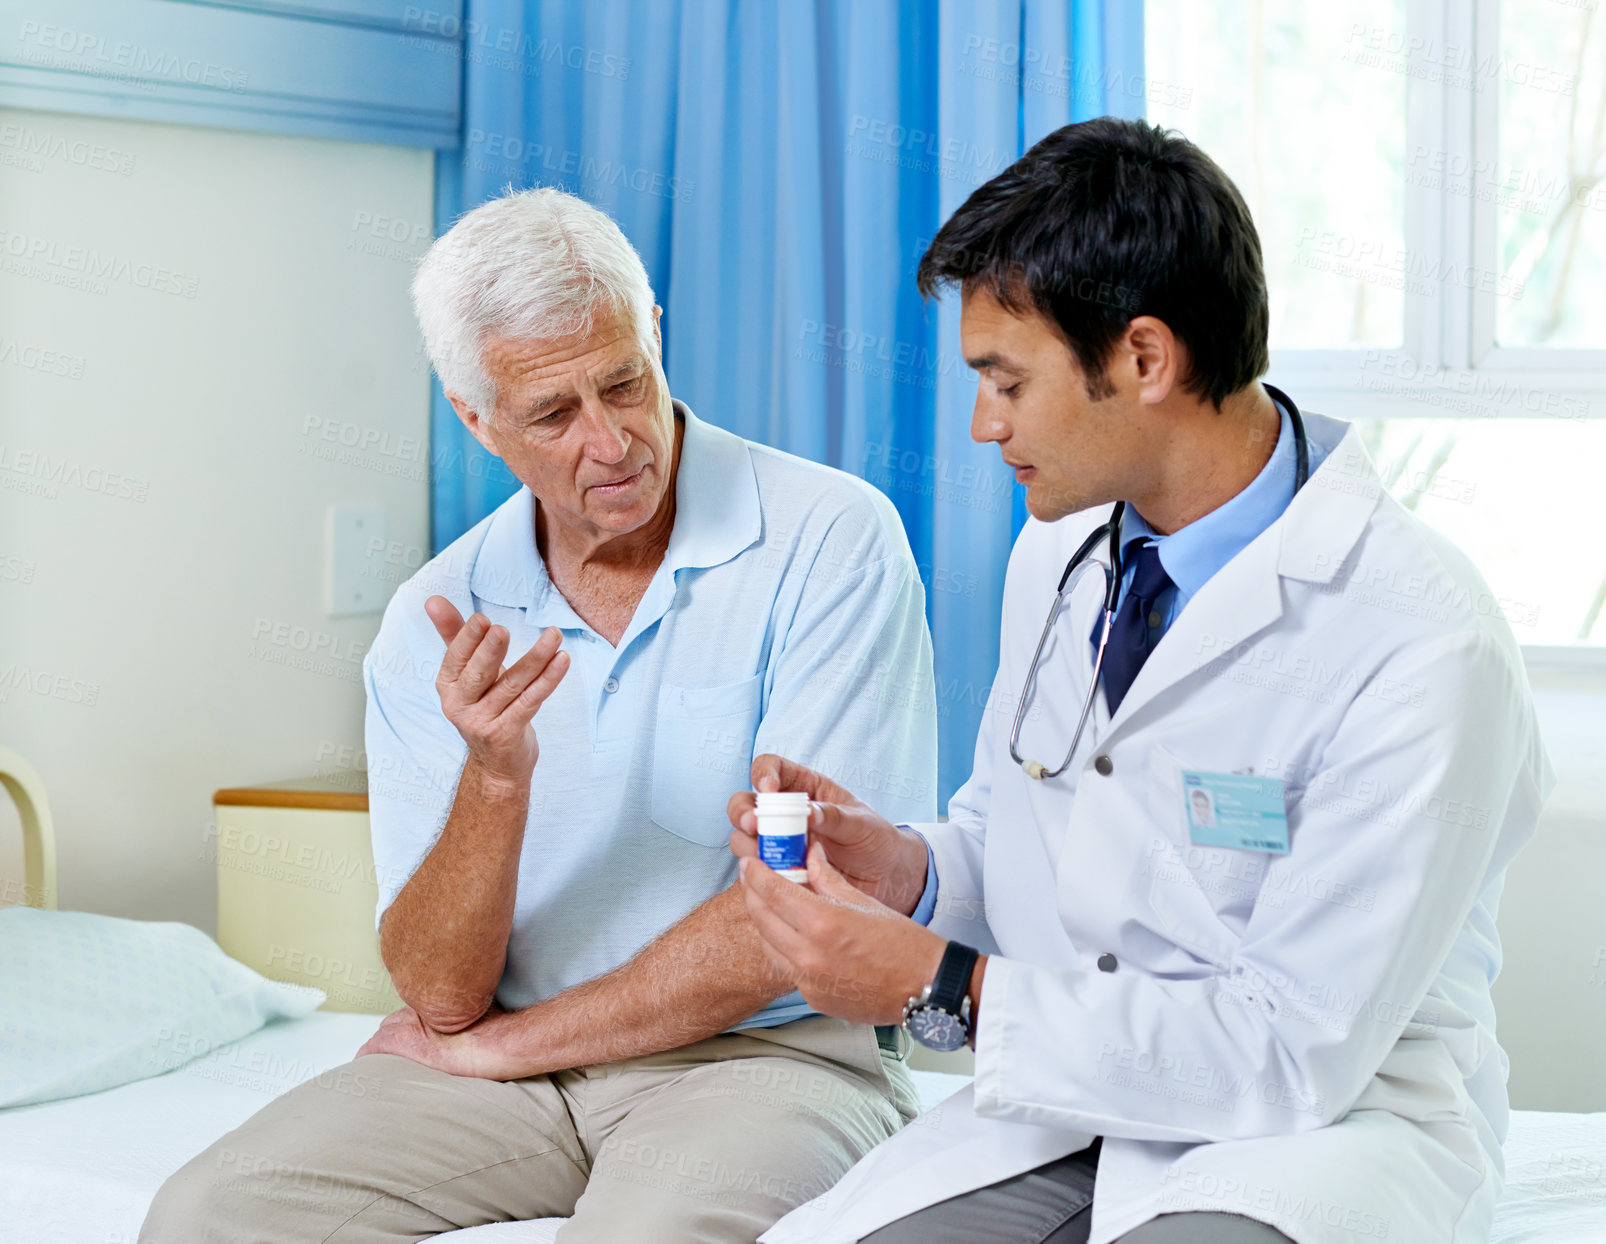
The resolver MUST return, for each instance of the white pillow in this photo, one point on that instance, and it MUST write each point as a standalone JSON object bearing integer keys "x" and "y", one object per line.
{"x": 89, "y": 1002}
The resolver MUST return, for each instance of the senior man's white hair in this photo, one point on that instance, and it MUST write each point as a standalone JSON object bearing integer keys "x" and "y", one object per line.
{"x": 533, "y": 263}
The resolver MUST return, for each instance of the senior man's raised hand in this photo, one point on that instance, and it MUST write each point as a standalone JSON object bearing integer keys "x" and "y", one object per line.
{"x": 876, "y": 856}
{"x": 490, "y": 705}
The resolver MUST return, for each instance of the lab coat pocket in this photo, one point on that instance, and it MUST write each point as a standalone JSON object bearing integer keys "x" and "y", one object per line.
{"x": 1194, "y": 890}
{"x": 702, "y": 755}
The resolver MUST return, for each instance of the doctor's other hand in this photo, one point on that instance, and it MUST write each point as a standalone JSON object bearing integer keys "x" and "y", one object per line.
{"x": 848, "y": 955}
{"x": 885, "y": 862}
{"x": 492, "y": 706}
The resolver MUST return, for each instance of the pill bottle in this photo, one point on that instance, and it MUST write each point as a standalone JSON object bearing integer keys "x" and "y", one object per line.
{"x": 783, "y": 832}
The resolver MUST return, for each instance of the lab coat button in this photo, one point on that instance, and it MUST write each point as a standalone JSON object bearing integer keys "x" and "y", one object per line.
{"x": 611, "y": 685}
{"x": 1107, "y": 962}
{"x": 1104, "y": 765}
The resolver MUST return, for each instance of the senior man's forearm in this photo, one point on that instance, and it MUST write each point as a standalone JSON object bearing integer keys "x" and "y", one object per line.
{"x": 444, "y": 939}
{"x": 700, "y": 977}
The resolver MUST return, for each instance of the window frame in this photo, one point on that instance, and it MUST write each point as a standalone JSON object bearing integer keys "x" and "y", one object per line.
{"x": 1449, "y": 331}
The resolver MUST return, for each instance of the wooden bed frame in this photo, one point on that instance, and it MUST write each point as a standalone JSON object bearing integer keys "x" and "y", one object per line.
{"x": 27, "y": 791}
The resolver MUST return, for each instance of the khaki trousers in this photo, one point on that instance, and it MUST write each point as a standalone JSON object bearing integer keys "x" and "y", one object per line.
{"x": 712, "y": 1142}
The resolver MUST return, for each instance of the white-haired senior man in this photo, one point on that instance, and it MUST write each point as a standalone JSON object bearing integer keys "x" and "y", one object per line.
{"x": 592, "y": 1026}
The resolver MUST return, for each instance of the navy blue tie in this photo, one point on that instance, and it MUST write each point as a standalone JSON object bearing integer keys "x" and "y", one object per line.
{"x": 1131, "y": 636}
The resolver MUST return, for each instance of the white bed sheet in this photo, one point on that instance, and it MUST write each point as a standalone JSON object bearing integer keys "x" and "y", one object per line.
{"x": 1555, "y": 1180}
{"x": 83, "y": 1171}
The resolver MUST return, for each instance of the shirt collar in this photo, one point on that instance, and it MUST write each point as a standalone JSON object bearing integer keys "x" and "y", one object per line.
{"x": 716, "y": 497}
{"x": 1194, "y": 553}
{"x": 716, "y": 516}
{"x": 508, "y": 570}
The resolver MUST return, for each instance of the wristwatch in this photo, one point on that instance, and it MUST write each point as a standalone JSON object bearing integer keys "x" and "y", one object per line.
{"x": 940, "y": 1017}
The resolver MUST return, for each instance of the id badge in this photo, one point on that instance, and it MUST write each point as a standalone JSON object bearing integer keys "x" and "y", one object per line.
{"x": 1233, "y": 810}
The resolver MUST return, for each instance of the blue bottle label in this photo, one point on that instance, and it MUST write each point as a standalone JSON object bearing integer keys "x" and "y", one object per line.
{"x": 783, "y": 851}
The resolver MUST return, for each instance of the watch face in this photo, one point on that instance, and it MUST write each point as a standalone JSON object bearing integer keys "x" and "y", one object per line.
{"x": 936, "y": 1029}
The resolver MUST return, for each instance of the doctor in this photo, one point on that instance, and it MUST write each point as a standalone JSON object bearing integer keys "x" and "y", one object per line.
{"x": 1226, "y": 965}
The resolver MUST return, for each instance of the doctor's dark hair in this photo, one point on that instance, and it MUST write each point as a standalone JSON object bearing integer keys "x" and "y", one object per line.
{"x": 1107, "y": 220}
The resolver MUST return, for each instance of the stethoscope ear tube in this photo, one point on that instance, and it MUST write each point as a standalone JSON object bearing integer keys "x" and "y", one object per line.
{"x": 1097, "y": 534}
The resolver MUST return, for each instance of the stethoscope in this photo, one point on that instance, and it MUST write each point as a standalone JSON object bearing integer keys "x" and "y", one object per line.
{"x": 1081, "y": 561}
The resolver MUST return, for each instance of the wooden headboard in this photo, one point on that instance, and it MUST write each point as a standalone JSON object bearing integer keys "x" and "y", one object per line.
{"x": 27, "y": 791}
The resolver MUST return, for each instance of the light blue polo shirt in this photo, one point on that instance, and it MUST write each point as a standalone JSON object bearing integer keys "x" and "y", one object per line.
{"x": 787, "y": 616}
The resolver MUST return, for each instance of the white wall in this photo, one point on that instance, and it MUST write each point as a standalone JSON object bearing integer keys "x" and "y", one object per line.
{"x": 149, "y": 591}
{"x": 1550, "y": 999}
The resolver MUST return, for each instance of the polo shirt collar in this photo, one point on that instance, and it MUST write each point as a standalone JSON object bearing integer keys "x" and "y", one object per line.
{"x": 717, "y": 516}
{"x": 716, "y": 497}
{"x": 509, "y": 571}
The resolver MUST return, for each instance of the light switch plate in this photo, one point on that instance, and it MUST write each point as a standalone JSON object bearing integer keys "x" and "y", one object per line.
{"x": 351, "y": 587}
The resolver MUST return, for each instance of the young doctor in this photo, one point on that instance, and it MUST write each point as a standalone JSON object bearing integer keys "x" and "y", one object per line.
{"x": 1217, "y": 906}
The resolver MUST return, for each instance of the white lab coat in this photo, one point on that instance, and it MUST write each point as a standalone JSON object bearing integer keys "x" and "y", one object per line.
{"x": 1306, "y": 1039}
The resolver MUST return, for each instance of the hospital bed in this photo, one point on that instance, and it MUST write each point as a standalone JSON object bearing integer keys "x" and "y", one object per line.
{"x": 83, "y": 1170}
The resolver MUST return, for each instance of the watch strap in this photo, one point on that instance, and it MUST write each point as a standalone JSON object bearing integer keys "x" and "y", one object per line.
{"x": 952, "y": 982}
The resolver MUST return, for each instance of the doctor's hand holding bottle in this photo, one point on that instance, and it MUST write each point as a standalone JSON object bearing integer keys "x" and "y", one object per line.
{"x": 846, "y": 941}
{"x": 880, "y": 859}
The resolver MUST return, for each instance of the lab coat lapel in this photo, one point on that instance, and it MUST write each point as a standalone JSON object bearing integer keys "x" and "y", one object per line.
{"x": 1242, "y": 598}
{"x": 1328, "y": 517}
{"x": 1310, "y": 541}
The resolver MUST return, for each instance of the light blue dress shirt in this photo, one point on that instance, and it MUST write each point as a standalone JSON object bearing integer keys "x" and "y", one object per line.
{"x": 1192, "y": 554}
{"x": 787, "y": 616}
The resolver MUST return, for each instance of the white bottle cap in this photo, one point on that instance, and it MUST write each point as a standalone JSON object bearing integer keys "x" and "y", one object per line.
{"x": 781, "y": 802}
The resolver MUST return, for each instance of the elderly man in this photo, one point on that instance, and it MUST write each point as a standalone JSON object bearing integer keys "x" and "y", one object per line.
{"x": 592, "y": 1027}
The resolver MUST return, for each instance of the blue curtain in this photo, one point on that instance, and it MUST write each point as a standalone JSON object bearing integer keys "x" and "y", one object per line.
{"x": 781, "y": 167}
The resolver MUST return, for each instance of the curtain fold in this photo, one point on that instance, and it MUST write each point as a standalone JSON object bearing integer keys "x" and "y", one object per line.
{"x": 781, "y": 168}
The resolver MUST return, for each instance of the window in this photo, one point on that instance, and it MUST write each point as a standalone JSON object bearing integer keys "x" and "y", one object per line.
{"x": 1429, "y": 181}
{"x": 1329, "y": 214}
{"x": 1549, "y": 179}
